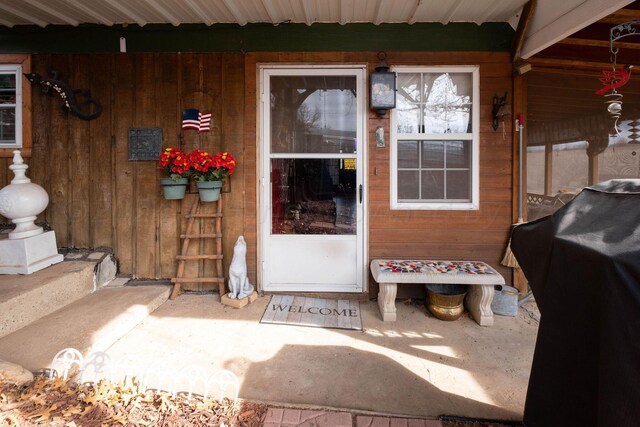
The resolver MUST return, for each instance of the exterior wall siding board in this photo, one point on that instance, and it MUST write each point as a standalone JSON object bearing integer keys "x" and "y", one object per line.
{"x": 231, "y": 125}
{"x": 479, "y": 235}
{"x": 150, "y": 90}
{"x": 169, "y": 211}
{"x": 145, "y": 181}
{"x": 124, "y": 100}
{"x": 100, "y": 158}
{"x": 81, "y": 177}
{"x": 56, "y": 122}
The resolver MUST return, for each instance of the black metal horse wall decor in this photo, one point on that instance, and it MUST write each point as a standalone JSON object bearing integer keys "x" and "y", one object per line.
{"x": 69, "y": 96}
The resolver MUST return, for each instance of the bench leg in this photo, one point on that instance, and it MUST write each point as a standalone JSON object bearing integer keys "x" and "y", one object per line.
{"x": 387, "y": 301}
{"x": 478, "y": 303}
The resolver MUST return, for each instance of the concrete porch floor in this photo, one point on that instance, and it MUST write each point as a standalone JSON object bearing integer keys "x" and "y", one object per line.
{"x": 417, "y": 366}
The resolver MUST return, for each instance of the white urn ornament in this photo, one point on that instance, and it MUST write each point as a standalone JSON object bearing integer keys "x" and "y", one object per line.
{"x": 22, "y": 200}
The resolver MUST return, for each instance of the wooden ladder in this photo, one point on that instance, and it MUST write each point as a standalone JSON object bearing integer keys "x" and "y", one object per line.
{"x": 192, "y": 216}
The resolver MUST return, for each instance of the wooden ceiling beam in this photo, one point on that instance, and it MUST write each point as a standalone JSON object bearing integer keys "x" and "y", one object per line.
{"x": 547, "y": 27}
{"x": 562, "y": 111}
{"x": 621, "y": 16}
{"x": 553, "y": 97}
{"x": 519, "y": 65}
{"x": 568, "y": 63}
{"x": 601, "y": 31}
{"x": 598, "y": 43}
{"x": 577, "y": 86}
{"x": 587, "y": 94}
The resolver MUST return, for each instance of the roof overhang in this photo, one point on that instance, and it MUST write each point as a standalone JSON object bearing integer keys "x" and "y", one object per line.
{"x": 554, "y": 20}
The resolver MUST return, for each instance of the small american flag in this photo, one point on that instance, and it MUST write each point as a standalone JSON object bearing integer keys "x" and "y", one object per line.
{"x": 194, "y": 119}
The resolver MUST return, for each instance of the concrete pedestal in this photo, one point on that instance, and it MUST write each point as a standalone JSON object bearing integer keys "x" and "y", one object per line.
{"x": 28, "y": 255}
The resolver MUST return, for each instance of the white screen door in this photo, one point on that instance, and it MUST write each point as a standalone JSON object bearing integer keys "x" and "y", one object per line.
{"x": 311, "y": 204}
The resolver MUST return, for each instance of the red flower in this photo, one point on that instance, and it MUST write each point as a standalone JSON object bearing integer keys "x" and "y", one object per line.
{"x": 212, "y": 168}
{"x": 175, "y": 162}
{"x": 200, "y": 164}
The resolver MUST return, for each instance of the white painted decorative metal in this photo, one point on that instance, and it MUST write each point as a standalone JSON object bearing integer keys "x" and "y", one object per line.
{"x": 155, "y": 377}
{"x": 226, "y": 379}
{"x": 129, "y": 369}
{"x": 64, "y": 361}
{"x": 196, "y": 376}
{"x": 97, "y": 366}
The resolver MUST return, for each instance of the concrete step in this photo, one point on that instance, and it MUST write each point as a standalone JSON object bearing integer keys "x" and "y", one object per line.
{"x": 93, "y": 323}
{"x": 26, "y": 298}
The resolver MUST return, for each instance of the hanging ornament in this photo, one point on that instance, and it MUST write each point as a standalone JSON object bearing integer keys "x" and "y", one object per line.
{"x": 612, "y": 80}
{"x": 613, "y": 101}
{"x": 616, "y": 77}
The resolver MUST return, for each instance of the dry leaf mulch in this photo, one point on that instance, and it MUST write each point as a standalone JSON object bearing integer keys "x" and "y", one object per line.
{"x": 63, "y": 403}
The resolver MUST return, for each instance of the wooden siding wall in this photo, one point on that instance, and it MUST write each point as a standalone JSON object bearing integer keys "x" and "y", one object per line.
{"x": 471, "y": 235}
{"x": 98, "y": 198}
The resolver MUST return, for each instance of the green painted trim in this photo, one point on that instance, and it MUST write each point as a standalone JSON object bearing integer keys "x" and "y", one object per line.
{"x": 258, "y": 38}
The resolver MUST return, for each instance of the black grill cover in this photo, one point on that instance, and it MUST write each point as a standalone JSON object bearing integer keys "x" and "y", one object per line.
{"x": 583, "y": 265}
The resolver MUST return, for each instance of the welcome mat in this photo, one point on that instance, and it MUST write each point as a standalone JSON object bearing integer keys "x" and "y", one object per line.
{"x": 315, "y": 312}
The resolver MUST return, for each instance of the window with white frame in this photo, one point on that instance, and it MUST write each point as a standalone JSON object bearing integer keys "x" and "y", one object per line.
{"x": 434, "y": 138}
{"x": 10, "y": 106}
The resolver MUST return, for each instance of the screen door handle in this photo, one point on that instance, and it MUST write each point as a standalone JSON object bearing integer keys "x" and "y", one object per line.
{"x": 360, "y": 191}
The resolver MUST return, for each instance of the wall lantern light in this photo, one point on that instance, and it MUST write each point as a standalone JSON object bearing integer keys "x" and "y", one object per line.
{"x": 382, "y": 94}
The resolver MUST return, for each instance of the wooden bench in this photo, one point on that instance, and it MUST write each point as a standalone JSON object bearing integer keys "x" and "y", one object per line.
{"x": 482, "y": 278}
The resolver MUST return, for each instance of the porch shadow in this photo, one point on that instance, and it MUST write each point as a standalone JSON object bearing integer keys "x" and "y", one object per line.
{"x": 342, "y": 377}
{"x": 415, "y": 366}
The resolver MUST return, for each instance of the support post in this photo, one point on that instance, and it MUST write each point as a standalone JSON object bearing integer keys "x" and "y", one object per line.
{"x": 548, "y": 169}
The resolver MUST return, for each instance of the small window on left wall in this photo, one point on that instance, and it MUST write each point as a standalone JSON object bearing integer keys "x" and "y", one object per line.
{"x": 10, "y": 106}
{"x": 15, "y": 104}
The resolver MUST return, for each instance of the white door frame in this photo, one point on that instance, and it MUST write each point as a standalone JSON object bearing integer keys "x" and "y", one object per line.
{"x": 263, "y": 158}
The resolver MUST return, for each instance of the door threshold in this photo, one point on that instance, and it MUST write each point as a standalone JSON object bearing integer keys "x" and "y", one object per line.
{"x": 361, "y": 296}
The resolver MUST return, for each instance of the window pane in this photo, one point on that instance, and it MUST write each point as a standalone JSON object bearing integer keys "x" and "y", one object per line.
{"x": 458, "y": 185}
{"x": 432, "y": 154}
{"x": 313, "y": 114}
{"x": 448, "y": 102}
{"x": 433, "y": 185}
{"x": 7, "y": 88}
{"x": 408, "y": 102}
{"x": 408, "y": 154}
{"x": 7, "y": 126}
{"x": 458, "y": 154}
{"x": 408, "y": 185}
{"x": 313, "y": 196}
